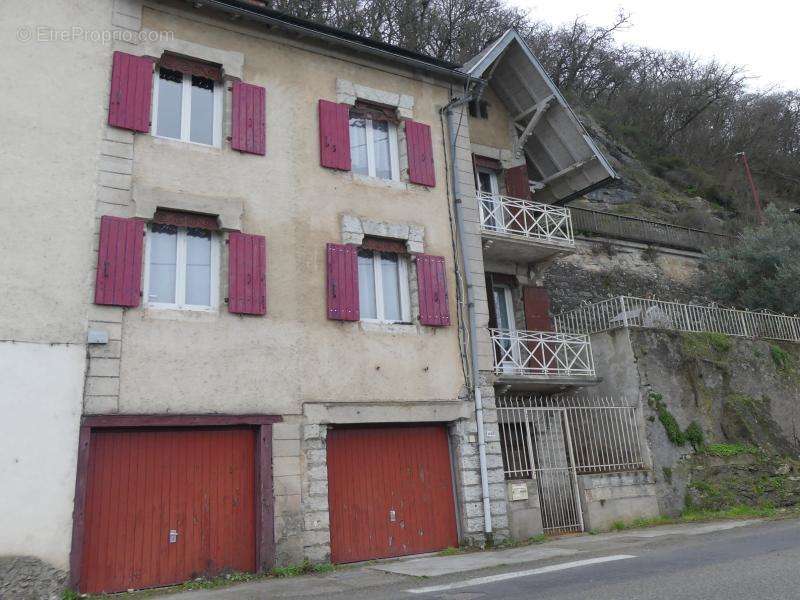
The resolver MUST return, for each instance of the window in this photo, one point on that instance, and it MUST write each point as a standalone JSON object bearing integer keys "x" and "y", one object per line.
{"x": 383, "y": 287}
{"x": 182, "y": 266}
{"x": 187, "y": 107}
{"x": 373, "y": 147}
{"x": 478, "y": 109}
{"x": 491, "y": 206}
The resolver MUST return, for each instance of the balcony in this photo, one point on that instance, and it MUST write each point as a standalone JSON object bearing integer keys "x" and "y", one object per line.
{"x": 523, "y": 231}
{"x": 542, "y": 360}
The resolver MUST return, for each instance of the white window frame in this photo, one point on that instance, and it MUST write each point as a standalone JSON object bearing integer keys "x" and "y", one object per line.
{"x": 403, "y": 283}
{"x": 180, "y": 275}
{"x": 186, "y": 111}
{"x": 394, "y": 158}
{"x": 512, "y": 325}
{"x": 497, "y": 205}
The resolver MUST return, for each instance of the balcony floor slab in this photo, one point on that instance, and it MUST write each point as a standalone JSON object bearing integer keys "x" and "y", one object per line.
{"x": 515, "y": 248}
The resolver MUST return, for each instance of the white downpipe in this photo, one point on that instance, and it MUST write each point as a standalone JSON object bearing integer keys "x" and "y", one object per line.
{"x": 473, "y": 326}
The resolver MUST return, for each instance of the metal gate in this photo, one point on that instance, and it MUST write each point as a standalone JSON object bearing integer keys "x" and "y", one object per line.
{"x": 554, "y": 440}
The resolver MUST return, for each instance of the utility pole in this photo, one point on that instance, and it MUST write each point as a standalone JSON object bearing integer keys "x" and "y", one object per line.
{"x": 753, "y": 189}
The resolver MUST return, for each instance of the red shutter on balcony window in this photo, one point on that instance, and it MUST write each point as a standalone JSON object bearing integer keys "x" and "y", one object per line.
{"x": 334, "y": 135}
{"x": 517, "y": 182}
{"x": 131, "y": 89}
{"x": 119, "y": 262}
{"x": 420, "y": 154}
{"x": 248, "y": 129}
{"x": 434, "y": 305}
{"x": 247, "y": 274}
{"x": 536, "y": 301}
{"x": 342, "y": 260}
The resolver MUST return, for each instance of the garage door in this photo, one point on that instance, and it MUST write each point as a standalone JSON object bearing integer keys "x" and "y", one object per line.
{"x": 390, "y": 492}
{"x": 167, "y": 505}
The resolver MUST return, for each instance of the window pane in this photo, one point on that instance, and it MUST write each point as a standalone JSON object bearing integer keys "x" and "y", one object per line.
{"x": 358, "y": 146}
{"x": 202, "y": 117}
{"x": 366, "y": 286}
{"x": 485, "y": 182}
{"x": 198, "y": 267}
{"x": 170, "y": 91}
{"x": 502, "y": 308}
{"x": 391, "y": 287}
{"x": 383, "y": 159}
{"x": 163, "y": 252}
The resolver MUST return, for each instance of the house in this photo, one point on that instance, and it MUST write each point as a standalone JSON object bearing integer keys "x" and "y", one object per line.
{"x": 234, "y": 328}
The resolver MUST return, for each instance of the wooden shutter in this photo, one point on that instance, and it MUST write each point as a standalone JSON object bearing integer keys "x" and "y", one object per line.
{"x": 247, "y": 278}
{"x": 334, "y": 135}
{"x": 248, "y": 129}
{"x": 420, "y": 154}
{"x": 517, "y": 182}
{"x": 119, "y": 262}
{"x": 131, "y": 90}
{"x": 434, "y": 305}
{"x": 343, "y": 282}
{"x": 536, "y": 301}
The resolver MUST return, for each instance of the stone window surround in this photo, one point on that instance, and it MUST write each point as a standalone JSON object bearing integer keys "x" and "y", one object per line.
{"x": 348, "y": 92}
{"x": 354, "y": 229}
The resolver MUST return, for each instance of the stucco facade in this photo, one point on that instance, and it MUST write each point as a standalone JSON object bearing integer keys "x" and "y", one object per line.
{"x": 293, "y": 363}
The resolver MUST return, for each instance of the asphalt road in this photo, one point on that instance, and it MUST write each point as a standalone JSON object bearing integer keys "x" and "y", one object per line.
{"x": 758, "y": 561}
{"x": 752, "y": 563}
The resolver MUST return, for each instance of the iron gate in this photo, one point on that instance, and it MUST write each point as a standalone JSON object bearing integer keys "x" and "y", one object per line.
{"x": 554, "y": 440}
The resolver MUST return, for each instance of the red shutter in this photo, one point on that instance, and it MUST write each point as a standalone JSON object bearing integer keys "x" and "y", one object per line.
{"x": 536, "y": 301}
{"x": 334, "y": 135}
{"x": 517, "y": 182}
{"x": 131, "y": 88}
{"x": 434, "y": 306}
{"x": 119, "y": 262}
{"x": 420, "y": 154}
{"x": 247, "y": 119}
{"x": 247, "y": 279}
{"x": 343, "y": 282}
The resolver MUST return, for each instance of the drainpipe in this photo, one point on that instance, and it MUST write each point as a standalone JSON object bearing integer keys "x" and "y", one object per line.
{"x": 452, "y": 128}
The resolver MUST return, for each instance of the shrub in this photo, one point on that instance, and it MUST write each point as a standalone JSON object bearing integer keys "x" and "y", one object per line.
{"x": 694, "y": 435}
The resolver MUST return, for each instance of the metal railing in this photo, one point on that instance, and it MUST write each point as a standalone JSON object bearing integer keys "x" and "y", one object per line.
{"x": 591, "y": 435}
{"x": 542, "y": 353}
{"x": 526, "y": 219}
{"x": 627, "y": 311}
{"x": 642, "y": 230}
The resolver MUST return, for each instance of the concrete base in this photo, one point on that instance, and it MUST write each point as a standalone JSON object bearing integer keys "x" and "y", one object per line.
{"x": 524, "y": 516}
{"x": 610, "y": 497}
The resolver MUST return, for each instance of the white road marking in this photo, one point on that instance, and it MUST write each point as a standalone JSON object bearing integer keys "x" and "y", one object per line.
{"x": 504, "y": 576}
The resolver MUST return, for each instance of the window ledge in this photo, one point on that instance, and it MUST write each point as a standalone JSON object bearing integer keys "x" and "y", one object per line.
{"x": 392, "y": 328}
{"x": 180, "y": 314}
{"x": 175, "y": 143}
{"x": 392, "y": 184}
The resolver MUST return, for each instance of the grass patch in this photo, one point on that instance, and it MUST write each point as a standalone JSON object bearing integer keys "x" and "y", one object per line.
{"x": 694, "y": 435}
{"x": 781, "y": 358}
{"x": 450, "y": 551}
{"x": 706, "y": 345}
{"x": 691, "y": 515}
{"x": 725, "y": 450}
{"x": 671, "y": 427}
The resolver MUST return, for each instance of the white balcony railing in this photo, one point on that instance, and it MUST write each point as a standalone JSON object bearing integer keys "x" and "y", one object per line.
{"x": 542, "y": 354}
{"x": 525, "y": 219}
{"x": 627, "y": 311}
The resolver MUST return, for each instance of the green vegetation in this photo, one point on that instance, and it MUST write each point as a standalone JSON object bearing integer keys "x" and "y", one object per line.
{"x": 694, "y": 435}
{"x": 671, "y": 427}
{"x": 450, "y": 551}
{"x": 302, "y": 569}
{"x": 667, "y": 471}
{"x": 706, "y": 345}
{"x": 70, "y": 595}
{"x": 690, "y": 515}
{"x": 725, "y": 450}
{"x": 781, "y": 358}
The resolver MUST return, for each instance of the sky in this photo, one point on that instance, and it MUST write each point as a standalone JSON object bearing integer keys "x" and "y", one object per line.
{"x": 760, "y": 35}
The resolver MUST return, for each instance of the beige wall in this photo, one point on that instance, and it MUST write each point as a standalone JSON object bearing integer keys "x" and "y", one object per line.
{"x": 176, "y": 362}
{"x": 496, "y": 130}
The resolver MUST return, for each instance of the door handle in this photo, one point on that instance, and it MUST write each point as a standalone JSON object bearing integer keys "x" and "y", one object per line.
{"x": 392, "y": 516}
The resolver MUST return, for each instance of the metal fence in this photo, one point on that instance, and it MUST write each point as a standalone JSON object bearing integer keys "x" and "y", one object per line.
{"x": 553, "y": 441}
{"x": 523, "y": 218}
{"x": 642, "y": 230}
{"x": 542, "y": 353}
{"x": 627, "y": 311}
{"x": 602, "y": 433}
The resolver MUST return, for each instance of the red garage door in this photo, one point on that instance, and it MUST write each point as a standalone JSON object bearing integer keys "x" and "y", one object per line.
{"x": 390, "y": 492}
{"x": 167, "y": 505}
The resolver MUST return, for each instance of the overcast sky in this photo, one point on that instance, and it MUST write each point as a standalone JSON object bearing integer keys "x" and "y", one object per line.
{"x": 761, "y": 35}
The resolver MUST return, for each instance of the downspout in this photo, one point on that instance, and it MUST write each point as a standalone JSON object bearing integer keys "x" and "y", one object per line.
{"x": 452, "y": 128}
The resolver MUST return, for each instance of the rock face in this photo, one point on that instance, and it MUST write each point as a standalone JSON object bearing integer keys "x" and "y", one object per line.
{"x": 741, "y": 393}
{"x": 29, "y": 578}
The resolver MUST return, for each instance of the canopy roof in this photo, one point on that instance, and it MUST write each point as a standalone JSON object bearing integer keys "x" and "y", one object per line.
{"x": 559, "y": 150}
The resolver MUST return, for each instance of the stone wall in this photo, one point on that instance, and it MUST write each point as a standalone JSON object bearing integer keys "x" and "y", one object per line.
{"x": 607, "y": 498}
{"x": 737, "y": 390}
{"x": 600, "y": 269}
